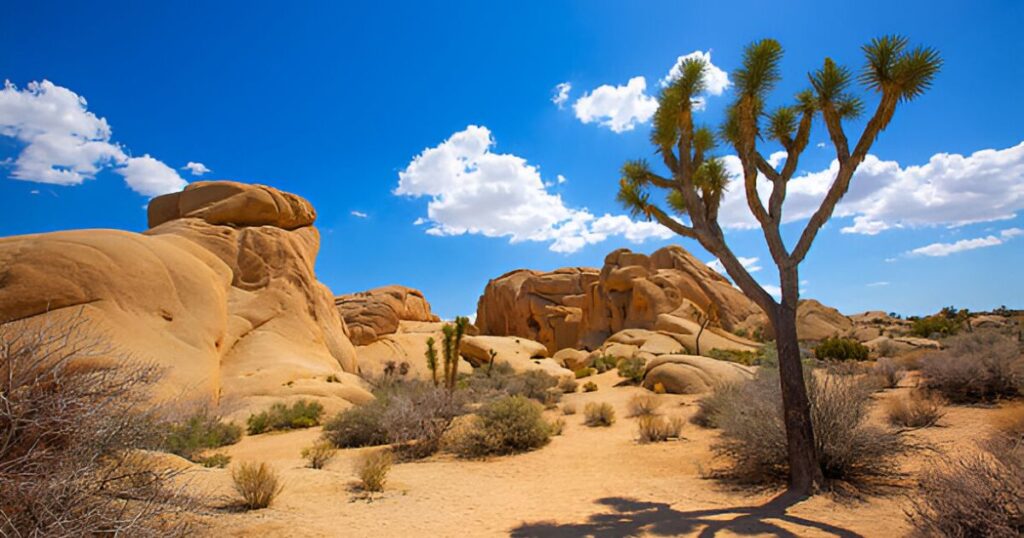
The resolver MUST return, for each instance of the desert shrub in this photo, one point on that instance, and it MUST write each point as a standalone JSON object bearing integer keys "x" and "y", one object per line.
{"x": 633, "y": 369}
{"x": 557, "y": 426}
{"x": 217, "y": 460}
{"x": 744, "y": 357}
{"x": 978, "y": 494}
{"x": 506, "y": 426}
{"x": 503, "y": 381}
{"x": 319, "y": 454}
{"x": 535, "y": 385}
{"x": 841, "y": 349}
{"x": 1009, "y": 421}
{"x": 568, "y": 385}
{"x": 301, "y": 414}
{"x": 74, "y": 414}
{"x": 937, "y": 325}
{"x": 753, "y": 436}
{"x": 198, "y": 432}
{"x": 357, "y": 426}
{"x": 604, "y": 363}
{"x": 584, "y": 372}
{"x": 589, "y": 386}
{"x": 888, "y": 373}
{"x": 975, "y": 367}
{"x": 886, "y": 348}
{"x": 720, "y": 400}
{"x": 568, "y": 409}
{"x": 655, "y": 429}
{"x": 643, "y": 405}
{"x": 918, "y": 409}
{"x": 258, "y": 484}
{"x": 372, "y": 468}
{"x": 599, "y": 414}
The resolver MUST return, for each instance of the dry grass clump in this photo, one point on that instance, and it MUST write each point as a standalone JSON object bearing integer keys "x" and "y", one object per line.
{"x": 568, "y": 409}
{"x": 919, "y": 409}
{"x": 258, "y": 484}
{"x": 982, "y": 366}
{"x": 643, "y": 405}
{"x": 888, "y": 372}
{"x": 319, "y": 454}
{"x": 655, "y": 429}
{"x": 720, "y": 400}
{"x": 589, "y": 386}
{"x": 74, "y": 415}
{"x": 372, "y": 469}
{"x": 506, "y": 426}
{"x": 1009, "y": 421}
{"x": 599, "y": 414}
{"x": 849, "y": 450}
{"x": 568, "y": 385}
{"x": 980, "y": 494}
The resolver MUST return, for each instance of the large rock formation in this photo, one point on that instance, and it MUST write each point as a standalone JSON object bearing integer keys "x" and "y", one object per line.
{"x": 220, "y": 291}
{"x": 372, "y": 314}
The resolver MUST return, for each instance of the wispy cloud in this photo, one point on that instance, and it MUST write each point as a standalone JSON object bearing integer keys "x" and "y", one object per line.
{"x": 359, "y": 214}
{"x": 878, "y": 284}
{"x": 945, "y": 249}
{"x": 561, "y": 94}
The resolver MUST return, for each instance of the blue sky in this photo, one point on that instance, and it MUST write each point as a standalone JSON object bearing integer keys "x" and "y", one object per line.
{"x": 334, "y": 102}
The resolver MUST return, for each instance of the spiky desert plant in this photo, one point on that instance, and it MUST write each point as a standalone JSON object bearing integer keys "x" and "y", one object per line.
{"x": 697, "y": 180}
{"x": 431, "y": 355}
{"x": 452, "y": 343}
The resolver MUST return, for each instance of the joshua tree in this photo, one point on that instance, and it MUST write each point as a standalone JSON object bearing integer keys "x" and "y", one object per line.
{"x": 452, "y": 342}
{"x": 697, "y": 180}
{"x": 431, "y": 355}
{"x": 705, "y": 318}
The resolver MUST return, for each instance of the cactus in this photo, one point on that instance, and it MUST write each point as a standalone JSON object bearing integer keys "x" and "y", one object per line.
{"x": 432, "y": 359}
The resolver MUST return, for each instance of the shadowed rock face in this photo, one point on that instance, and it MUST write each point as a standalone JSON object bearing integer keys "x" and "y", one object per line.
{"x": 372, "y": 314}
{"x": 582, "y": 307}
{"x": 220, "y": 291}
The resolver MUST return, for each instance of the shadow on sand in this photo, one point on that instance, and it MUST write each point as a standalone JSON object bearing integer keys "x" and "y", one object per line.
{"x": 631, "y": 518}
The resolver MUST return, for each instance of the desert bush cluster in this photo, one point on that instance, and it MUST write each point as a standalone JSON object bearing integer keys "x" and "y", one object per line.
{"x": 888, "y": 373}
{"x": 840, "y": 349}
{"x": 632, "y": 369}
{"x": 982, "y": 366}
{"x": 74, "y": 418}
{"x": 200, "y": 431}
{"x": 753, "y": 440}
{"x": 506, "y": 426}
{"x": 301, "y": 414}
{"x": 919, "y": 409}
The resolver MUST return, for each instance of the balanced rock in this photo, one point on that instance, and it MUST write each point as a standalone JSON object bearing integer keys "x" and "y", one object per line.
{"x": 372, "y": 314}
{"x": 220, "y": 292}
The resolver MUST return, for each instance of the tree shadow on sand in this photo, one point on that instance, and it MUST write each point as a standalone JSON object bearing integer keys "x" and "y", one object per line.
{"x": 631, "y": 517}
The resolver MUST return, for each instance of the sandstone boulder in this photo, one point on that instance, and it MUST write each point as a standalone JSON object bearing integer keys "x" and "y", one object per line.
{"x": 372, "y": 314}
{"x": 220, "y": 292}
{"x": 815, "y": 321}
{"x": 888, "y": 346}
{"x": 519, "y": 353}
{"x": 692, "y": 374}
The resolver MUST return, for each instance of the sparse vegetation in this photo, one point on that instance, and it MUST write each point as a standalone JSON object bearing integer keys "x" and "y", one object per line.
{"x": 584, "y": 372}
{"x": 656, "y": 429}
{"x": 198, "y": 432}
{"x": 632, "y": 369}
{"x": 840, "y": 349}
{"x": 599, "y": 414}
{"x": 604, "y": 363}
{"x": 946, "y": 323}
{"x": 507, "y": 426}
{"x": 356, "y": 427}
{"x": 1009, "y": 421}
{"x": 982, "y": 366}
{"x": 372, "y": 468}
{"x": 258, "y": 484}
{"x": 589, "y": 386}
{"x": 301, "y": 414}
{"x": 888, "y": 373}
{"x": 319, "y": 454}
{"x": 719, "y": 401}
{"x": 975, "y": 494}
{"x": 568, "y": 409}
{"x": 568, "y": 385}
{"x": 919, "y": 409}
{"x": 217, "y": 460}
{"x": 643, "y": 405}
{"x": 74, "y": 414}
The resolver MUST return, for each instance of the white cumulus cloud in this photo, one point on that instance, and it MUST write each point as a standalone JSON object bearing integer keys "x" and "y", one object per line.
{"x": 561, "y": 94}
{"x": 945, "y": 249}
{"x": 716, "y": 81}
{"x": 948, "y": 190}
{"x": 197, "y": 169}
{"x": 619, "y": 108}
{"x": 65, "y": 144}
{"x": 477, "y": 191}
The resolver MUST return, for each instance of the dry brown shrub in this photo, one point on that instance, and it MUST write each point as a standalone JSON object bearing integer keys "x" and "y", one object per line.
{"x": 1009, "y": 421}
{"x": 568, "y": 409}
{"x": 74, "y": 414}
{"x": 655, "y": 429}
{"x": 982, "y": 366}
{"x": 599, "y": 414}
{"x": 258, "y": 484}
{"x": 372, "y": 467}
{"x": 979, "y": 494}
{"x": 319, "y": 454}
{"x": 918, "y": 409}
{"x": 643, "y": 405}
{"x": 888, "y": 372}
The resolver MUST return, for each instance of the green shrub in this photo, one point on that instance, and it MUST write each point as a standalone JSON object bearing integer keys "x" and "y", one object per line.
{"x": 200, "y": 431}
{"x": 604, "y": 363}
{"x": 506, "y": 426}
{"x": 302, "y": 414}
{"x": 357, "y": 426}
{"x": 599, "y": 414}
{"x": 633, "y": 369}
{"x": 744, "y": 357}
{"x": 535, "y": 385}
{"x": 982, "y": 366}
{"x": 258, "y": 485}
{"x": 585, "y": 372}
{"x": 589, "y": 386}
{"x": 936, "y": 325}
{"x": 841, "y": 349}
